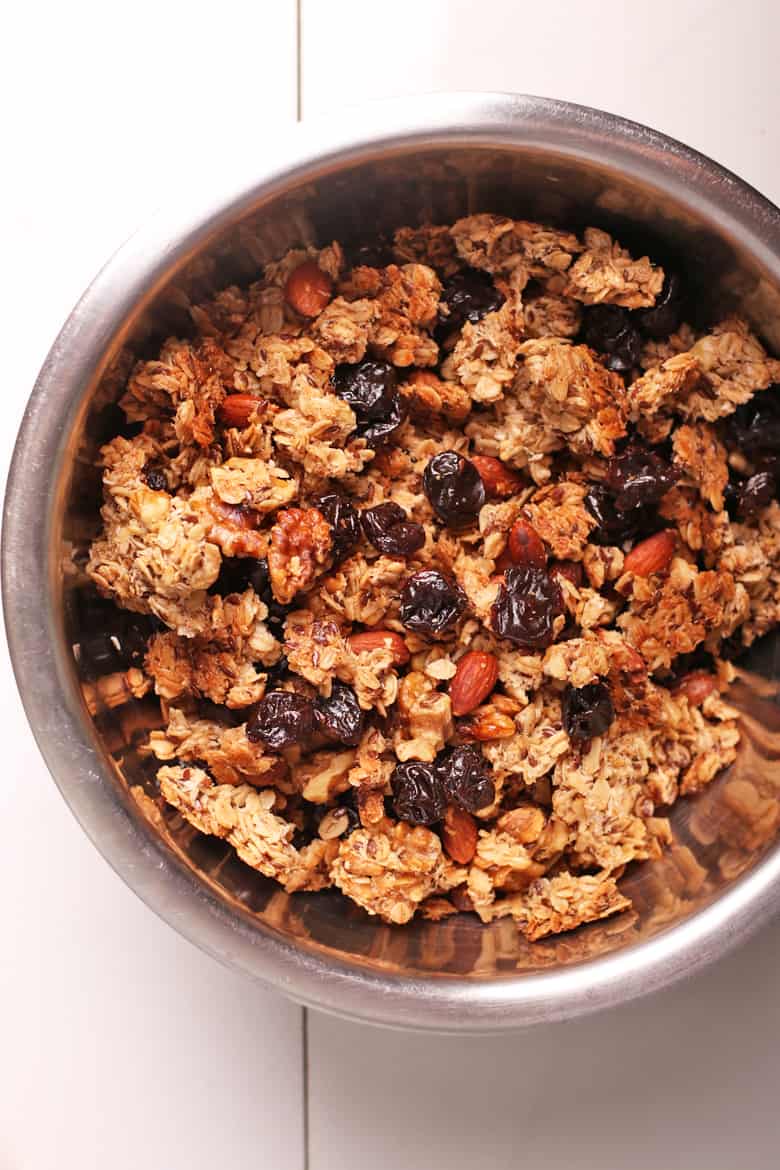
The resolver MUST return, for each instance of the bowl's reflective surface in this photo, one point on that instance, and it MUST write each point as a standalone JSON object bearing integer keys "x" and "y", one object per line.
{"x": 522, "y": 157}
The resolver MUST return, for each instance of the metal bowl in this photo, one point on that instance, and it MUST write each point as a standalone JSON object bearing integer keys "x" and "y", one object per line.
{"x": 432, "y": 158}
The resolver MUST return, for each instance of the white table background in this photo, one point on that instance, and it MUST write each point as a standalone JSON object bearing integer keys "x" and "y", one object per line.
{"x": 121, "y": 1046}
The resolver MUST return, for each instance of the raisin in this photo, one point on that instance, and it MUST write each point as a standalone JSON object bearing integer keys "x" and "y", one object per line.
{"x": 454, "y": 488}
{"x": 527, "y": 605}
{"x": 615, "y": 527}
{"x": 638, "y": 477}
{"x": 755, "y": 493}
{"x": 344, "y": 521}
{"x": 387, "y": 527}
{"x": 377, "y": 254}
{"x": 418, "y": 796}
{"x": 237, "y": 574}
{"x": 466, "y": 778}
{"x": 339, "y": 717}
{"x": 431, "y": 603}
{"x": 119, "y": 645}
{"x": 609, "y": 329}
{"x": 371, "y": 389}
{"x": 274, "y": 674}
{"x": 468, "y": 296}
{"x": 154, "y": 477}
{"x": 281, "y": 720}
{"x": 755, "y": 426}
{"x": 587, "y": 711}
{"x": 667, "y": 312}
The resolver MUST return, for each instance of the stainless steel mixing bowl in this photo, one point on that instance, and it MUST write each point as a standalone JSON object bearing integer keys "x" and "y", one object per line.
{"x": 432, "y": 158}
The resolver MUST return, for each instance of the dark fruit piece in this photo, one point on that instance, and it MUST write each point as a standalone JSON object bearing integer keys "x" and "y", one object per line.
{"x": 755, "y": 426}
{"x": 615, "y": 527}
{"x": 216, "y": 713}
{"x": 431, "y": 603}
{"x": 667, "y": 312}
{"x": 281, "y": 720}
{"x": 371, "y": 389}
{"x": 386, "y": 526}
{"x": 527, "y": 605}
{"x": 610, "y": 330}
{"x": 587, "y": 711}
{"x": 755, "y": 493}
{"x": 339, "y": 717}
{"x": 114, "y": 640}
{"x": 418, "y": 796}
{"x": 454, "y": 487}
{"x": 154, "y": 478}
{"x": 344, "y": 522}
{"x": 639, "y": 477}
{"x": 237, "y": 574}
{"x": 468, "y": 296}
{"x": 274, "y": 674}
{"x": 377, "y": 254}
{"x": 467, "y": 779}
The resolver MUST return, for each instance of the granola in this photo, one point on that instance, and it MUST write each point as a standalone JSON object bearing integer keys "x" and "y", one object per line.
{"x": 415, "y": 572}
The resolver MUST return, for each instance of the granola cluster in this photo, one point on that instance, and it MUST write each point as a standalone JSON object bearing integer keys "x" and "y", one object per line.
{"x": 436, "y": 557}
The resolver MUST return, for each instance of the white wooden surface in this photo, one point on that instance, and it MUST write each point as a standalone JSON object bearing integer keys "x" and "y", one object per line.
{"x": 122, "y": 1045}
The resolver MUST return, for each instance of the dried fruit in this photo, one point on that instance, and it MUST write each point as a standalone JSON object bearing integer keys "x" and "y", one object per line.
{"x": 467, "y": 778}
{"x": 499, "y": 481}
{"x": 474, "y": 679}
{"x": 755, "y": 425}
{"x": 638, "y": 477}
{"x": 344, "y": 521}
{"x": 527, "y": 605}
{"x": 371, "y": 639}
{"x": 118, "y": 646}
{"x": 431, "y": 603}
{"x": 459, "y": 835}
{"x": 339, "y": 717}
{"x": 610, "y": 330}
{"x": 467, "y": 296}
{"x": 587, "y": 711}
{"x": 696, "y": 686}
{"x": 154, "y": 477}
{"x": 454, "y": 488}
{"x": 613, "y": 527}
{"x": 300, "y": 545}
{"x": 281, "y": 720}
{"x": 667, "y": 313}
{"x": 237, "y": 409}
{"x": 371, "y": 389}
{"x": 755, "y": 493}
{"x": 308, "y": 289}
{"x": 418, "y": 796}
{"x": 525, "y": 545}
{"x": 388, "y": 528}
{"x": 487, "y": 723}
{"x": 652, "y": 555}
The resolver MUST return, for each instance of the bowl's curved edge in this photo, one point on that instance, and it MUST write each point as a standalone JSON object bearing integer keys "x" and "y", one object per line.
{"x": 56, "y": 713}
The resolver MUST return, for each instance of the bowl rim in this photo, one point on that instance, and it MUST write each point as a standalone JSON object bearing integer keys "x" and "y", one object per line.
{"x": 68, "y": 741}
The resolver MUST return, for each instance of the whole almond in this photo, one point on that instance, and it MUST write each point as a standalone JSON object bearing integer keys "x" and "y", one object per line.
{"x": 459, "y": 834}
{"x": 236, "y": 409}
{"x": 372, "y": 639}
{"x": 487, "y": 723}
{"x": 500, "y": 481}
{"x": 696, "y": 686}
{"x": 652, "y": 555}
{"x": 475, "y": 677}
{"x": 308, "y": 289}
{"x": 525, "y": 545}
